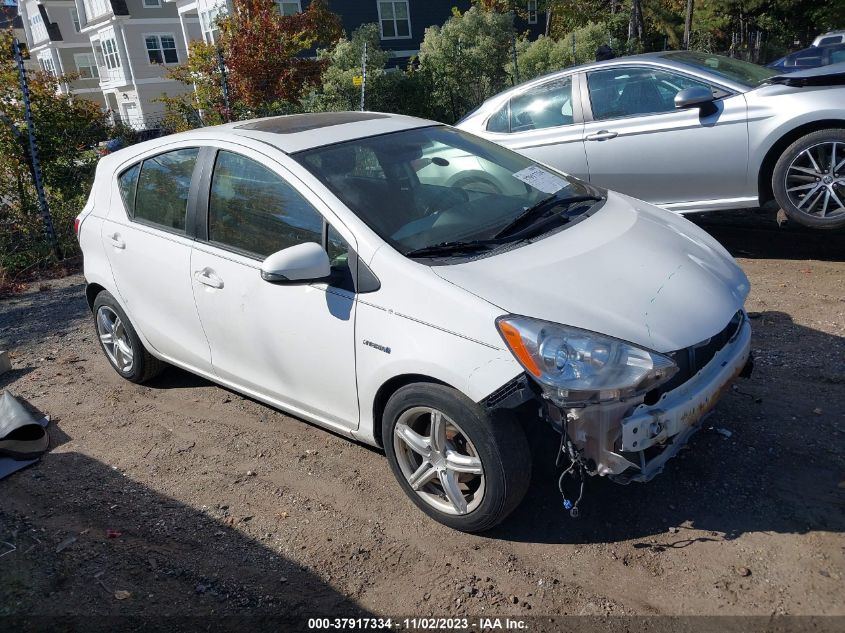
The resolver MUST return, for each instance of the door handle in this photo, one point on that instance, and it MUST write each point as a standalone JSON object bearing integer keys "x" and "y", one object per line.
{"x": 601, "y": 135}
{"x": 207, "y": 277}
{"x": 116, "y": 241}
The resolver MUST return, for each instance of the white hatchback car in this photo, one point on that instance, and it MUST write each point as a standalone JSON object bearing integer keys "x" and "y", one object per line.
{"x": 302, "y": 261}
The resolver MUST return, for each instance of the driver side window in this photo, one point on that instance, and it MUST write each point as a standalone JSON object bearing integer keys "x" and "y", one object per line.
{"x": 623, "y": 92}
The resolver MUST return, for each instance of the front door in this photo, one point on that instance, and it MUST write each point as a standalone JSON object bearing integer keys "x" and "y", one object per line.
{"x": 640, "y": 144}
{"x": 149, "y": 252}
{"x": 290, "y": 343}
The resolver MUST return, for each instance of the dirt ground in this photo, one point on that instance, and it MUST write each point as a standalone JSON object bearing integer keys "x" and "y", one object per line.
{"x": 196, "y": 501}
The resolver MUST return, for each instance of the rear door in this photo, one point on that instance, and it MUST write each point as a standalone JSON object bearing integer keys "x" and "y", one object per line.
{"x": 640, "y": 144}
{"x": 544, "y": 122}
{"x": 148, "y": 246}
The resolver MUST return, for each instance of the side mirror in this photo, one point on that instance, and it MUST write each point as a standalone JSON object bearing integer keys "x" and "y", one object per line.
{"x": 301, "y": 263}
{"x": 696, "y": 96}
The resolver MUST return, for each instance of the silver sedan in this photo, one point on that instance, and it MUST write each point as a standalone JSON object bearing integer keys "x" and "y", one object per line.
{"x": 687, "y": 131}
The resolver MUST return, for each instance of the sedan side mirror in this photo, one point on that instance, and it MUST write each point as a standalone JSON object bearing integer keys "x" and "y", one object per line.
{"x": 301, "y": 263}
{"x": 694, "y": 97}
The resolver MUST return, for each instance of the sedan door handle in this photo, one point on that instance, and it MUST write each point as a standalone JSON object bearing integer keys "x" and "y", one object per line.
{"x": 116, "y": 241}
{"x": 208, "y": 278}
{"x": 601, "y": 135}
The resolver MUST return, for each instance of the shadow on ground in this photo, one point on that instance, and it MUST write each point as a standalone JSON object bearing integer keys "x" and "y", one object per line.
{"x": 755, "y": 234}
{"x": 121, "y": 548}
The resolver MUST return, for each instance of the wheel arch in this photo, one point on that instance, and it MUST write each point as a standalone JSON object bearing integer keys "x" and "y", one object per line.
{"x": 387, "y": 389}
{"x": 91, "y": 292}
{"x": 767, "y": 167}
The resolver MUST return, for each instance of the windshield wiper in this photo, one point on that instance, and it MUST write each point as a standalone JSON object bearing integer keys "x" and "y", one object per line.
{"x": 452, "y": 248}
{"x": 541, "y": 209}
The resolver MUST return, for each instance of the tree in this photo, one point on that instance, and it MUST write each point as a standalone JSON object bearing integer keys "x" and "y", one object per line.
{"x": 464, "y": 61}
{"x": 267, "y": 53}
{"x": 268, "y": 59}
{"x": 67, "y": 130}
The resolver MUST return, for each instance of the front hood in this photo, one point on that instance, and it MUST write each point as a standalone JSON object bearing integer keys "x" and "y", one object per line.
{"x": 830, "y": 75}
{"x": 631, "y": 271}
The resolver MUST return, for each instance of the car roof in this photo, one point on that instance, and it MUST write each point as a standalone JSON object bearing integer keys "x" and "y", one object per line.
{"x": 294, "y": 132}
{"x": 664, "y": 58}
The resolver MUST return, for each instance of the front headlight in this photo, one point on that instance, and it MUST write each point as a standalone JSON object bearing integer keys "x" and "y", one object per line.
{"x": 576, "y": 366}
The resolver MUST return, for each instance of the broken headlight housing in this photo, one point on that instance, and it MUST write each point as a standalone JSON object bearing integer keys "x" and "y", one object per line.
{"x": 577, "y": 367}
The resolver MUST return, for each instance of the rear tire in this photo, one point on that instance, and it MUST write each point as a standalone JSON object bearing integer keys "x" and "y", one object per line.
{"x": 482, "y": 457}
{"x": 120, "y": 343}
{"x": 809, "y": 180}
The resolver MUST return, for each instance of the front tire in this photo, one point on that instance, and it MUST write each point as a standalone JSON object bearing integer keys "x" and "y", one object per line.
{"x": 809, "y": 180}
{"x": 460, "y": 464}
{"x": 120, "y": 343}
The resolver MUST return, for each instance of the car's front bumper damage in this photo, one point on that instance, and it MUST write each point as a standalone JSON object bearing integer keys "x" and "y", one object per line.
{"x": 632, "y": 441}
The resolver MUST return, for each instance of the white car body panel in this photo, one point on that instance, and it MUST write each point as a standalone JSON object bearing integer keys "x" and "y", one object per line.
{"x": 622, "y": 272}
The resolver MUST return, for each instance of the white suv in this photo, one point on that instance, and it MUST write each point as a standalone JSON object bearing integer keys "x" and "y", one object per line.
{"x": 302, "y": 261}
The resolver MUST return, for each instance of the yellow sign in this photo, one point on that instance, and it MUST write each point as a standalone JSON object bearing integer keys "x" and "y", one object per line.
{"x": 357, "y": 80}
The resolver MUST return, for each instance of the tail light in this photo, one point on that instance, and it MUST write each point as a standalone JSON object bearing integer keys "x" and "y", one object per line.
{"x": 76, "y": 224}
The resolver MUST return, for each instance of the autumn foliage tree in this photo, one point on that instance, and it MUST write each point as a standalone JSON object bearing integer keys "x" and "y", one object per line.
{"x": 270, "y": 61}
{"x": 67, "y": 129}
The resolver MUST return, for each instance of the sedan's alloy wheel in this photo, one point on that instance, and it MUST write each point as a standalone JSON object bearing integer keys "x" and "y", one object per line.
{"x": 439, "y": 461}
{"x": 115, "y": 338}
{"x": 815, "y": 180}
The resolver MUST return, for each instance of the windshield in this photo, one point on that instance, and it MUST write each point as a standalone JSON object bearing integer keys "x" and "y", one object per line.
{"x": 437, "y": 185}
{"x": 745, "y": 73}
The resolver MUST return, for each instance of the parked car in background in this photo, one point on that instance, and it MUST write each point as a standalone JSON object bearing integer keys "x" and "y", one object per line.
{"x": 333, "y": 266}
{"x": 686, "y": 131}
{"x": 831, "y": 37}
{"x": 812, "y": 57}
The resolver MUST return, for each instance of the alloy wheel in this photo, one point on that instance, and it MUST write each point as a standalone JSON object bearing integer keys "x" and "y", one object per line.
{"x": 815, "y": 180}
{"x": 438, "y": 460}
{"x": 115, "y": 339}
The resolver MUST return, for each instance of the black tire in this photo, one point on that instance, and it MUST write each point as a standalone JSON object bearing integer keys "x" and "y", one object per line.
{"x": 498, "y": 439}
{"x": 144, "y": 366}
{"x": 787, "y": 202}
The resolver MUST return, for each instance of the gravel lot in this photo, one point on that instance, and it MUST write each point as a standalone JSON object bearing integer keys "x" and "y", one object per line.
{"x": 195, "y": 500}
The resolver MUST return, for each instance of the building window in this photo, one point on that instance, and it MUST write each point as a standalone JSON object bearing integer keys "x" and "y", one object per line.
{"x": 395, "y": 19}
{"x": 94, "y": 8}
{"x": 39, "y": 31}
{"x": 161, "y": 49}
{"x": 208, "y": 21}
{"x": 110, "y": 53}
{"x": 289, "y": 8}
{"x": 47, "y": 65}
{"x": 86, "y": 65}
{"x": 532, "y": 11}
{"x": 152, "y": 4}
{"x": 74, "y": 15}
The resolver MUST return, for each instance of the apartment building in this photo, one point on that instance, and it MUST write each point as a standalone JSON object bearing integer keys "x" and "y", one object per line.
{"x": 120, "y": 50}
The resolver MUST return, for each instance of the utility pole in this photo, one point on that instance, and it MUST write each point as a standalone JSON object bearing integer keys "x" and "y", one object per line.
{"x": 688, "y": 23}
{"x": 224, "y": 82}
{"x": 363, "y": 76}
{"x": 515, "y": 61}
{"x": 46, "y": 218}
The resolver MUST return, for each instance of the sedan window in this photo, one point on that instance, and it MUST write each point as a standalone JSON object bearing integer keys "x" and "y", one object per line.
{"x": 622, "y": 92}
{"x": 162, "y": 190}
{"x": 544, "y": 106}
{"x": 253, "y": 210}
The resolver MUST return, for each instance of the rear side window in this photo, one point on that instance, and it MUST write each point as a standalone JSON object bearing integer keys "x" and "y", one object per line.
{"x": 253, "y": 209}
{"x": 827, "y": 41}
{"x": 128, "y": 183}
{"x": 161, "y": 196}
{"x": 544, "y": 106}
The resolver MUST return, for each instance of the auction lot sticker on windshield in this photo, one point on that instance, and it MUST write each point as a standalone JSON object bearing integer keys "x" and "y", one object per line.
{"x": 541, "y": 179}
